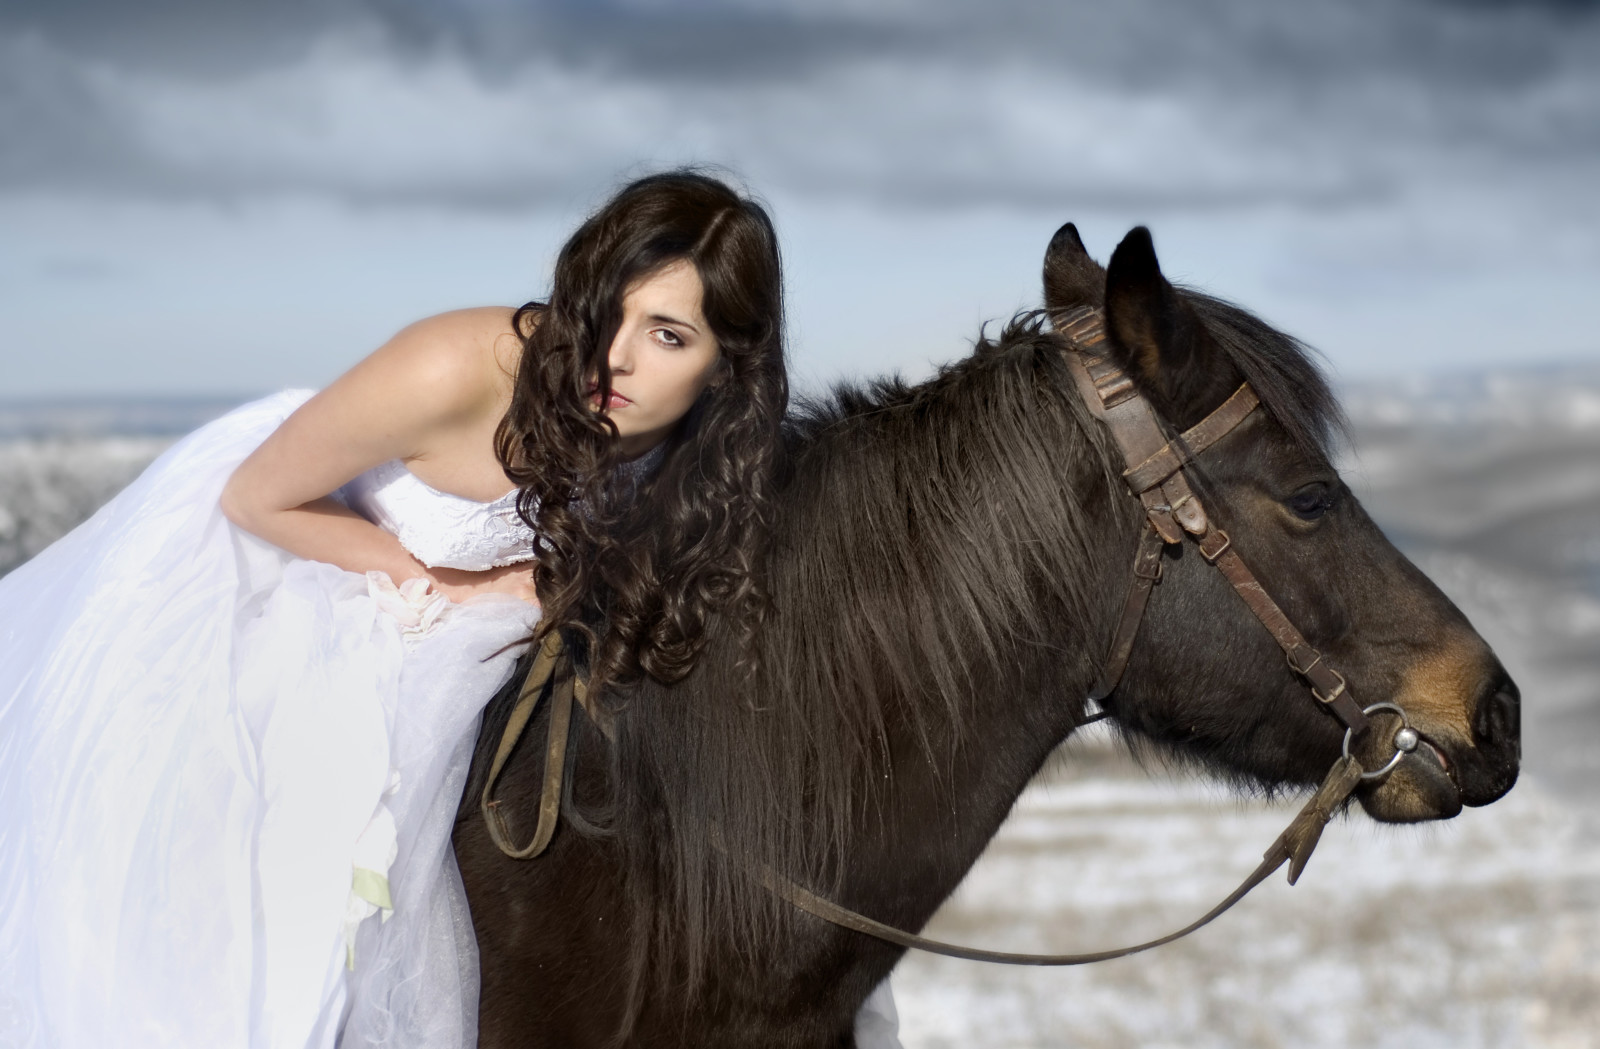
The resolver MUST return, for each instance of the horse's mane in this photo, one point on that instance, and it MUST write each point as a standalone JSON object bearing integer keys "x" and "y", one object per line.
{"x": 902, "y": 562}
{"x": 926, "y": 535}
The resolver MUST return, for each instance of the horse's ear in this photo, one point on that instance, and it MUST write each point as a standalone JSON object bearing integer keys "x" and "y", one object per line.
{"x": 1071, "y": 277}
{"x": 1153, "y": 331}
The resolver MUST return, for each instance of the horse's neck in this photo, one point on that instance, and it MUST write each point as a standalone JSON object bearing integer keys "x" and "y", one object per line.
{"x": 955, "y": 777}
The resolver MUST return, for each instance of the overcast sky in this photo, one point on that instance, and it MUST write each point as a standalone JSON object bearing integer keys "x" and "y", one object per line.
{"x": 204, "y": 196}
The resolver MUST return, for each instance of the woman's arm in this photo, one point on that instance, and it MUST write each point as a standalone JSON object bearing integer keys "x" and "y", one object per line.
{"x": 433, "y": 385}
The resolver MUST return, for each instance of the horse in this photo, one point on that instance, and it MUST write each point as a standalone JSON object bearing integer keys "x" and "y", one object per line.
{"x": 947, "y": 565}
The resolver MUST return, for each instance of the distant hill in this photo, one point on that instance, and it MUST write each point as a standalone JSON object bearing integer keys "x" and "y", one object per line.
{"x": 110, "y": 416}
{"x": 1539, "y": 397}
{"x": 63, "y": 458}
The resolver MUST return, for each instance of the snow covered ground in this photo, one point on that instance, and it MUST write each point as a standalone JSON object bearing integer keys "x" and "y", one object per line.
{"x": 1482, "y": 932}
{"x": 60, "y": 460}
{"x": 49, "y": 484}
{"x": 1479, "y": 933}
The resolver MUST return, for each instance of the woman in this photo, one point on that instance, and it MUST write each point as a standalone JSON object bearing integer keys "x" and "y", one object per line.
{"x": 237, "y": 706}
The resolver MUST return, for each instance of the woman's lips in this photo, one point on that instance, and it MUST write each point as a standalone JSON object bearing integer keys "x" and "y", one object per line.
{"x": 616, "y": 400}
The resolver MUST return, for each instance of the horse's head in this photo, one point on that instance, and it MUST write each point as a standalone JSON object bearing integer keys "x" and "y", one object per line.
{"x": 1205, "y": 675}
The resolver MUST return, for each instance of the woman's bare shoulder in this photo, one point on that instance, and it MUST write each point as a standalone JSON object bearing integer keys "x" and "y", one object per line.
{"x": 467, "y": 333}
{"x": 473, "y": 322}
{"x": 461, "y": 357}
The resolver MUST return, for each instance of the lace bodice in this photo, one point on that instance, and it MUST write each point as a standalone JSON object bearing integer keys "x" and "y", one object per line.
{"x": 449, "y": 531}
{"x": 439, "y": 529}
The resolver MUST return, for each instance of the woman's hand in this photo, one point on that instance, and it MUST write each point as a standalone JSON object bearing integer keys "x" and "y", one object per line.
{"x": 458, "y": 585}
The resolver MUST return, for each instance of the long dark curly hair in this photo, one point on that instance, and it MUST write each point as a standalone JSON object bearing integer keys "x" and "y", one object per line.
{"x": 638, "y": 566}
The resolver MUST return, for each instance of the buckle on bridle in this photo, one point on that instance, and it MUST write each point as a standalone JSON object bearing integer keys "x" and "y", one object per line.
{"x": 1338, "y": 690}
{"x": 1147, "y": 565}
{"x": 1305, "y": 671}
{"x": 1211, "y": 551}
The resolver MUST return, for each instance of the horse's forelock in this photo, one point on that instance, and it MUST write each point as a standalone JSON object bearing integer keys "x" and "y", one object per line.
{"x": 1283, "y": 371}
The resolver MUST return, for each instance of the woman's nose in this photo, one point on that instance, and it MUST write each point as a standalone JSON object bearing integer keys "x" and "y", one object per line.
{"x": 620, "y": 359}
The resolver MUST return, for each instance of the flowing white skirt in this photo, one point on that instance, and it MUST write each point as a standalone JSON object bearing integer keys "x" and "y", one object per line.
{"x": 211, "y": 755}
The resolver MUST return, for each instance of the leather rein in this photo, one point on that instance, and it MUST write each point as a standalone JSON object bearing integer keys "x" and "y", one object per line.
{"x": 1155, "y": 476}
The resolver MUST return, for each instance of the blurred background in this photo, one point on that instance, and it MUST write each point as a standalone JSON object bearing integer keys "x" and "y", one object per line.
{"x": 202, "y": 201}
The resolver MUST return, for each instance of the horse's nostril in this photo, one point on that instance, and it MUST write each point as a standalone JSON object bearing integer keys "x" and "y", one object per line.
{"x": 1498, "y": 719}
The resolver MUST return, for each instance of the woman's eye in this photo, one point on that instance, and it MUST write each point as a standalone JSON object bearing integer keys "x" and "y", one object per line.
{"x": 1310, "y": 502}
{"x": 668, "y": 337}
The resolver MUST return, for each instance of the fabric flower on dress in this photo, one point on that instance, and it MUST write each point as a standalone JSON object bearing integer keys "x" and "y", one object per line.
{"x": 375, "y": 851}
{"x": 418, "y": 608}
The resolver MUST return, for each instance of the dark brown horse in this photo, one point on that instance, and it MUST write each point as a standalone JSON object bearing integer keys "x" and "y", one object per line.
{"x": 949, "y": 566}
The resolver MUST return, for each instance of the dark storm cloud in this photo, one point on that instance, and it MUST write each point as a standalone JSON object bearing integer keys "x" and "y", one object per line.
{"x": 494, "y": 102}
{"x": 699, "y": 41}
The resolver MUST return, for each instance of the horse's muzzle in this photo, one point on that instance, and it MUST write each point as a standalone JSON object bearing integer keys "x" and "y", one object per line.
{"x": 1443, "y": 774}
{"x": 1486, "y": 771}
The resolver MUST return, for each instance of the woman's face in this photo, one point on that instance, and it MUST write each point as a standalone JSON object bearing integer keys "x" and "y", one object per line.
{"x": 663, "y": 356}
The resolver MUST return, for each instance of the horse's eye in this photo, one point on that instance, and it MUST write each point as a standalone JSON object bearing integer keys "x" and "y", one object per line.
{"x": 1310, "y": 502}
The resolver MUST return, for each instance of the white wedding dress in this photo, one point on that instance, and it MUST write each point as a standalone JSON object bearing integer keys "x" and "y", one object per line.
{"x": 228, "y": 775}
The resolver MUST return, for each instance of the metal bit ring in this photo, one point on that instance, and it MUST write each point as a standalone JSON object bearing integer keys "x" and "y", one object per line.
{"x": 1405, "y": 740}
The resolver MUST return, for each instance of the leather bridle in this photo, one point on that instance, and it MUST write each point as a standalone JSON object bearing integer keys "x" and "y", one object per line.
{"x": 1155, "y": 474}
